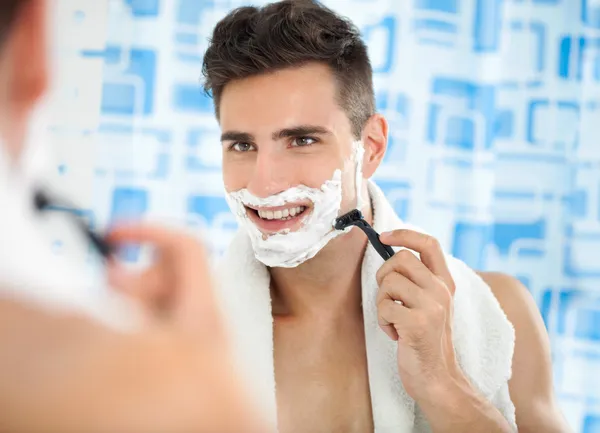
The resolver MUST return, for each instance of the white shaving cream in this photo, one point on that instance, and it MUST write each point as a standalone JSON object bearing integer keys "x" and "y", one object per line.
{"x": 289, "y": 249}
{"x": 357, "y": 157}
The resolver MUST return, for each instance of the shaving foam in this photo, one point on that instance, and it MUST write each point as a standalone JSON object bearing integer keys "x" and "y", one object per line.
{"x": 358, "y": 152}
{"x": 288, "y": 249}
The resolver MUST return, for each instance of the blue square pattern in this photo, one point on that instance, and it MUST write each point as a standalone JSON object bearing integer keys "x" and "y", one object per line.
{"x": 187, "y": 38}
{"x": 190, "y": 11}
{"x": 120, "y": 98}
{"x": 535, "y": 32}
{"x": 590, "y": 14}
{"x": 572, "y": 66}
{"x": 435, "y": 29}
{"x": 538, "y": 30}
{"x": 471, "y": 239}
{"x": 129, "y": 204}
{"x": 588, "y": 324}
{"x": 591, "y": 424}
{"x": 163, "y": 156}
{"x": 449, "y": 6}
{"x": 213, "y": 210}
{"x": 560, "y": 303}
{"x": 543, "y": 2}
{"x": 162, "y": 165}
{"x": 582, "y": 246}
{"x": 487, "y": 25}
{"x": 565, "y": 109}
{"x": 402, "y": 107}
{"x": 505, "y": 234}
{"x": 504, "y": 126}
{"x": 194, "y": 140}
{"x": 402, "y": 103}
{"x": 461, "y": 132}
{"x": 398, "y": 193}
{"x": 144, "y": 8}
{"x": 578, "y": 204}
{"x": 576, "y": 303}
{"x": 389, "y": 26}
{"x": 190, "y": 98}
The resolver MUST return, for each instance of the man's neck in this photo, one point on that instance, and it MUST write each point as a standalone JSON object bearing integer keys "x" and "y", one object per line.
{"x": 326, "y": 285}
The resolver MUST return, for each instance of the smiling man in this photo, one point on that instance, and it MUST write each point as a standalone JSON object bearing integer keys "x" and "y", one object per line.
{"x": 334, "y": 338}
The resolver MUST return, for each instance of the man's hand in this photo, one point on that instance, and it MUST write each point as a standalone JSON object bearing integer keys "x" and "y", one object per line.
{"x": 415, "y": 302}
{"x": 415, "y": 308}
{"x": 176, "y": 288}
{"x": 176, "y": 292}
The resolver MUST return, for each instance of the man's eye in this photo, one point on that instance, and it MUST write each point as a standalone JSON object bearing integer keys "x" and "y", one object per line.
{"x": 303, "y": 141}
{"x": 241, "y": 147}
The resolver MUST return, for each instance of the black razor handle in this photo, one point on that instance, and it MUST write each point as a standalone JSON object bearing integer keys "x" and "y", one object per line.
{"x": 385, "y": 251}
{"x": 42, "y": 202}
{"x": 355, "y": 218}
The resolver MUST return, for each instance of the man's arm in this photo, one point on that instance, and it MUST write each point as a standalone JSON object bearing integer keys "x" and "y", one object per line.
{"x": 61, "y": 373}
{"x": 531, "y": 387}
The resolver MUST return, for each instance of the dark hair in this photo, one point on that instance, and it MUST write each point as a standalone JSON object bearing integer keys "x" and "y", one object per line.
{"x": 251, "y": 41}
{"x": 8, "y": 14}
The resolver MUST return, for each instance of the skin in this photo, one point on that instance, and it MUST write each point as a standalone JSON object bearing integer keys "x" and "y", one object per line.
{"x": 320, "y": 361}
{"x": 61, "y": 372}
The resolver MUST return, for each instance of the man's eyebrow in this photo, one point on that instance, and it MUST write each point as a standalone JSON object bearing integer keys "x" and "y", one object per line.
{"x": 237, "y": 136}
{"x": 300, "y": 130}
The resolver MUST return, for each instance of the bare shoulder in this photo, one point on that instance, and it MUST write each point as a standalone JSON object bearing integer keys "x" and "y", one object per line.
{"x": 514, "y": 298}
{"x": 531, "y": 387}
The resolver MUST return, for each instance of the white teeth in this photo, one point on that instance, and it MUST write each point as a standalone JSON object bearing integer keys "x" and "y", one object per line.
{"x": 284, "y": 214}
{"x": 266, "y": 214}
{"x": 297, "y": 210}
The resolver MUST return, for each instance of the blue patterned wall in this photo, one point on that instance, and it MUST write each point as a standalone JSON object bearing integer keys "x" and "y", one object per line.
{"x": 494, "y": 111}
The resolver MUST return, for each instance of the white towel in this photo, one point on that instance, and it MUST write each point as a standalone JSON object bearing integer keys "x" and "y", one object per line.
{"x": 30, "y": 272}
{"x": 483, "y": 336}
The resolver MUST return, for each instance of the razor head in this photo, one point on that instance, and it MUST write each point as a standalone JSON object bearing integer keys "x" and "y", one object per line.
{"x": 348, "y": 219}
{"x": 41, "y": 201}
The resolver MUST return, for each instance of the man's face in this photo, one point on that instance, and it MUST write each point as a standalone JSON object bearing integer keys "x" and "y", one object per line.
{"x": 284, "y": 133}
{"x": 283, "y": 130}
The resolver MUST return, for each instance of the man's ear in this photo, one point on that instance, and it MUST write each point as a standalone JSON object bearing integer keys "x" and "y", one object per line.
{"x": 26, "y": 52}
{"x": 23, "y": 73}
{"x": 374, "y": 138}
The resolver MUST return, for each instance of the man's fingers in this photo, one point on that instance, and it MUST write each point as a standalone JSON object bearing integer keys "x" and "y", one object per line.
{"x": 182, "y": 252}
{"x": 145, "y": 286}
{"x": 182, "y": 271}
{"x": 165, "y": 239}
{"x": 392, "y": 316}
{"x": 428, "y": 248}
{"x": 406, "y": 263}
{"x": 397, "y": 287}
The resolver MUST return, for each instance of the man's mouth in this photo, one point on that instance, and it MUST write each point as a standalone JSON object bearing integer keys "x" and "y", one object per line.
{"x": 279, "y": 218}
{"x": 282, "y": 214}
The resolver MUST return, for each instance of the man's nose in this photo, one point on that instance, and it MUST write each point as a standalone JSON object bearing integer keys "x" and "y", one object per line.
{"x": 272, "y": 174}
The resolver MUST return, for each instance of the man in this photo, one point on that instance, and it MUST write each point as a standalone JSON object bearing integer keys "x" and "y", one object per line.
{"x": 336, "y": 338}
{"x": 67, "y": 364}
